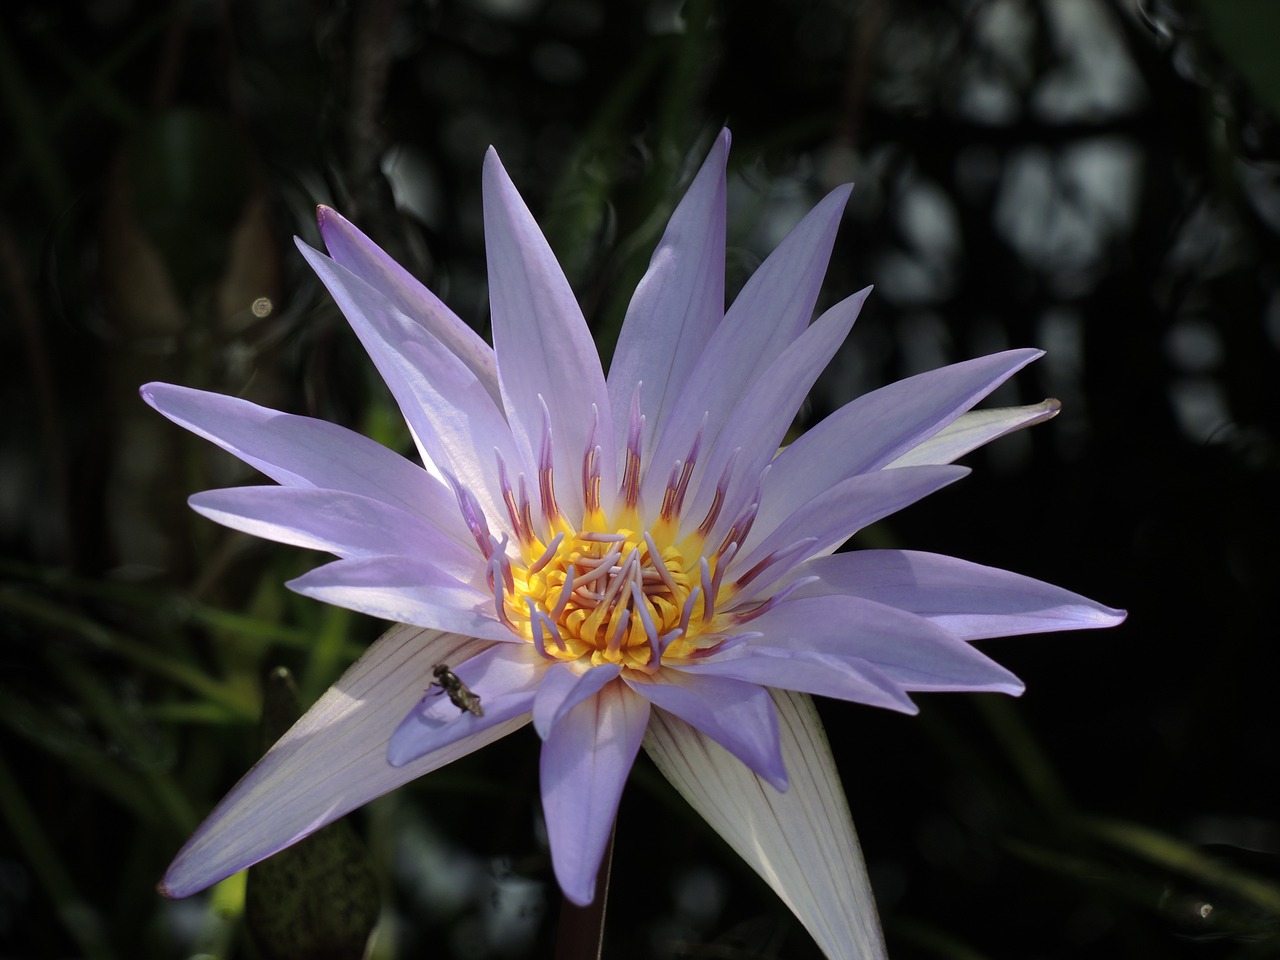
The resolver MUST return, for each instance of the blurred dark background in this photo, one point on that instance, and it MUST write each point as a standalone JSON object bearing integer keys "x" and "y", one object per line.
{"x": 1093, "y": 177}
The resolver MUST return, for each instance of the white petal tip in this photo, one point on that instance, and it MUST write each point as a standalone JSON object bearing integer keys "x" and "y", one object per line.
{"x": 1102, "y": 616}
{"x": 173, "y": 886}
{"x": 331, "y": 224}
{"x": 313, "y": 256}
{"x": 398, "y": 758}
{"x": 400, "y": 748}
{"x": 148, "y": 392}
{"x": 579, "y": 896}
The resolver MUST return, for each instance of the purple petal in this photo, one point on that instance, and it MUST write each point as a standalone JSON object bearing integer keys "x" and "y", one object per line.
{"x": 584, "y": 766}
{"x": 345, "y": 524}
{"x": 454, "y": 420}
{"x": 781, "y": 294}
{"x": 835, "y": 515}
{"x": 967, "y": 600}
{"x": 351, "y": 248}
{"x": 303, "y": 452}
{"x": 767, "y": 410}
{"x": 844, "y": 678}
{"x": 738, "y": 716}
{"x": 545, "y": 351}
{"x": 772, "y": 310}
{"x": 504, "y": 677}
{"x": 869, "y": 432}
{"x": 564, "y": 687}
{"x": 332, "y": 761}
{"x": 405, "y": 590}
{"x": 676, "y": 306}
{"x": 801, "y": 842}
{"x": 975, "y": 428}
{"x": 909, "y": 650}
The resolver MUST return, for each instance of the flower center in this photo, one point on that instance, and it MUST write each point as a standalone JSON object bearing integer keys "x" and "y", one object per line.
{"x": 604, "y": 591}
{"x": 613, "y": 597}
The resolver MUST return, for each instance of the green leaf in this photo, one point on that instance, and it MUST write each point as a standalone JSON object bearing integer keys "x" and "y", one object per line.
{"x": 1180, "y": 857}
{"x": 54, "y": 616}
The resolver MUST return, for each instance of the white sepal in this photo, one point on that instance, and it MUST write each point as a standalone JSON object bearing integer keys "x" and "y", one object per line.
{"x": 802, "y": 842}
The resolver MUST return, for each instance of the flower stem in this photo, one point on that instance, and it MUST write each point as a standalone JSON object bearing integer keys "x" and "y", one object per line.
{"x": 581, "y": 932}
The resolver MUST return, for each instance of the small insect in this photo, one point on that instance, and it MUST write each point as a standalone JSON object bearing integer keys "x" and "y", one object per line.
{"x": 460, "y": 694}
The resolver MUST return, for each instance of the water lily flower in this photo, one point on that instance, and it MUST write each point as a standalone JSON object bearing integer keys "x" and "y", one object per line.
{"x": 625, "y": 560}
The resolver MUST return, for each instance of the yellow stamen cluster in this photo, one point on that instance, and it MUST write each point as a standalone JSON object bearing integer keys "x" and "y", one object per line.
{"x": 613, "y": 597}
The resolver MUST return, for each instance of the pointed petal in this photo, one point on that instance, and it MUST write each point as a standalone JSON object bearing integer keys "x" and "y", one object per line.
{"x": 870, "y": 431}
{"x": 767, "y": 410}
{"x": 909, "y": 650}
{"x": 455, "y": 422}
{"x": 966, "y": 599}
{"x": 738, "y": 716}
{"x": 801, "y": 842}
{"x": 975, "y": 428}
{"x": 404, "y": 590}
{"x": 504, "y": 677}
{"x": 584, "y": 765}
{"x": 677, "y": 304}
{"x": 566, "y": 685}
{"x": 351, "y": 248}
{"x": 543, "y": 346}
{"x": 806, "y": 672}
{"x": 835, "y": 515}
{"x": 304, "y": 452}
{"x": 330, "y": 762}
{"x": 772, "y": 310}
{"x": 342, "y": 523}
{"x": 781, "y": 294}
